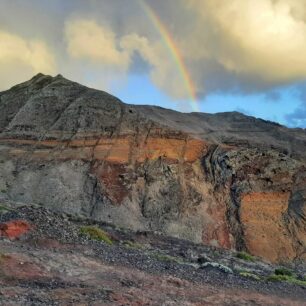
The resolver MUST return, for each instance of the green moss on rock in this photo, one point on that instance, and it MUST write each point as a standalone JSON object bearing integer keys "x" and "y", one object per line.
{"x": 95, "y": 233}
{"x": 245, "y": 256}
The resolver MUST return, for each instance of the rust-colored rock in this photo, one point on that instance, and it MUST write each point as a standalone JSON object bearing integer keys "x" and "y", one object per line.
{"x": 14, "y": 229}
{"x": 119, "y": 150}
{"x": 263, "y": 219}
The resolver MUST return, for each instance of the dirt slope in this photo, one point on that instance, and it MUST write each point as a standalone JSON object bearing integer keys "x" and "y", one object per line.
{"x": 52, "y": 262}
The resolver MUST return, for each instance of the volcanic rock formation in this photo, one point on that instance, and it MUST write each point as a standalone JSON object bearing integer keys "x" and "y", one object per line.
{"x": 226, "y": 180}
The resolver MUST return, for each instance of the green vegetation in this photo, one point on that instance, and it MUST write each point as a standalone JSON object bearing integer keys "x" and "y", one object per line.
{"x": 286, "y": 278}
{"x": 279, "y": 275}
{"x": 250, "y": 275}
{"x": 245, "y": 256}
{"x": 278, "y": 278}
{"x": 134, "y": 245}
{"x": 166, "y": 258}
{"x": 95, "y": 233}
{"x": 4, "y": 208}
{"x": 283, "y": 271}
{"x": 3, "y": 191}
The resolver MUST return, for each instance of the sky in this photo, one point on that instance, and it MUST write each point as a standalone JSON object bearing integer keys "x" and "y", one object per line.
{"x": 188, "y": 55}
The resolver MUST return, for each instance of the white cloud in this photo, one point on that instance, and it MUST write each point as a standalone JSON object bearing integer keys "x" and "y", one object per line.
{"x": 86, "y": 39}
{"x": 262, "y": 39}
{"x": 163, "y": 72}
{"x": 21, "y": 58}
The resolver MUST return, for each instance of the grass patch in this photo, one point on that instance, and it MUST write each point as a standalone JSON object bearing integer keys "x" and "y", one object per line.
{"x": 278, "y": 278}
{"x": 250, "y": 275}
{"x": 133, "y": 245}
{"x": 166, "y": 258}
{"x": 245, "y": 256}
{"x": 286, "y": 275}
{"x": 283, "y": 271}
{"x": 286, "y": 278}
{"x": 95, "y": 233}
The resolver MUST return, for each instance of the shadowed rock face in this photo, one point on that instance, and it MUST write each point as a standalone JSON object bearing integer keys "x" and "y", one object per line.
{"x": 226, "y": 180}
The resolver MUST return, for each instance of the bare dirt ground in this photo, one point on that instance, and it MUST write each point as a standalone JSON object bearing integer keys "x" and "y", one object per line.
{"x": 46, "y": 260}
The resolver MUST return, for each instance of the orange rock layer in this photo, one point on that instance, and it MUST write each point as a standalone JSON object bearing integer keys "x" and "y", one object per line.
{"x": 119, "y": 150}
{"x": 265, "y": 231}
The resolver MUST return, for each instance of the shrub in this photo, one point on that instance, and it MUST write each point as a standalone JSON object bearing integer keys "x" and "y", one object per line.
{"x": 278, "y": 278}
{"x": 96, "y": 233}
{"x": 286, "y": 278}
{"x": 245, "y": 256}
{"x": 283, "y": 271}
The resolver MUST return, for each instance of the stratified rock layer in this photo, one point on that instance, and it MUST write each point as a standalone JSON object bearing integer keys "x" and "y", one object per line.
{"x": 226, "y": 180}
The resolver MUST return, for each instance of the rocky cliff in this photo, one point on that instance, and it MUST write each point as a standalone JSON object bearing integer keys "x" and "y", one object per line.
{"x": 226, "y": 180}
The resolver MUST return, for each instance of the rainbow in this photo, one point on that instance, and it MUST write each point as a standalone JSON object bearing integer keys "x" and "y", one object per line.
{"x": 175, "y": 53}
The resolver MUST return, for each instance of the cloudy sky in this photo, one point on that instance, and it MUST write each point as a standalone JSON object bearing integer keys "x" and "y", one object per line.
{"x": 189, "y": 55}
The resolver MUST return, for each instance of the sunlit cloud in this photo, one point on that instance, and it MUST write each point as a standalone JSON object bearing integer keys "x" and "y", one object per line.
{"x": 88, "y": 40}
{"x": 21, "y": 58}
{"x": 263, "y": 40}
{"x": 93, "y": 42}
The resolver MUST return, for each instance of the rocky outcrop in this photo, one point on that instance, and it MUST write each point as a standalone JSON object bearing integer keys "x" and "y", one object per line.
{"x": 225, "y": 180}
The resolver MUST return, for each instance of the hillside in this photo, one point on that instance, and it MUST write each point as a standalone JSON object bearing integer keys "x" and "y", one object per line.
{"x": 225, "y": 180}
{"x": 56, "y": 259}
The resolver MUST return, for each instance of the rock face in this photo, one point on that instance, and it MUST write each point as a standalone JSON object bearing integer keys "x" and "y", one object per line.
{"x": 226, "y": 180}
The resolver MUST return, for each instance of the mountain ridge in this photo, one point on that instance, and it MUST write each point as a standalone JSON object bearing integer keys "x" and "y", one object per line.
{"x": 226, "y": 127}
{"x": 227, "y": 180}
